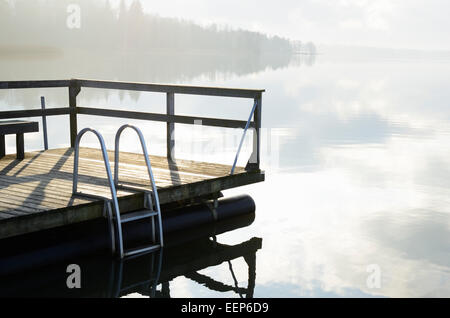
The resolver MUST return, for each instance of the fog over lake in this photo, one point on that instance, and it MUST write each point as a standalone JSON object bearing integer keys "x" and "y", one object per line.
{"x": 356, "y": 141}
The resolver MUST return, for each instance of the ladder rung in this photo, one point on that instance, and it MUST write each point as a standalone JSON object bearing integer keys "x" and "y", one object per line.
{"x": 133, "y": 216}
{"x": 139, "y": 250}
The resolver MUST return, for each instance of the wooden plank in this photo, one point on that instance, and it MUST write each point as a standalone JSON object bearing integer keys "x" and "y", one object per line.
{"x": 49, "y": 219}
{"x": 203, "y": 188}
{"x": 181, "y": 165}
{"x": 49, "y": 187}
{"x": 176, "y": 89}
{"x": 11, "y": 213}
{"x": 33, "y": 174}
{"x": 8, "y": 127}
{"x": 179, "y": 119}
{"x": 5, "y": 215}
{"x": 25, "y": 206}
{"x": 14, "y": 209}
{"x": 46, "y": 194}
{"x": 92, "y": 183}
{"x": 33, "y": 84}
{"x": 34, "y": 113}
{"x": 30, "y": 205}
{"x": 95, "y": 172}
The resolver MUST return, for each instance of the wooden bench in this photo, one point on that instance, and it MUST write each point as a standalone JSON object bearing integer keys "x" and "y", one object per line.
{"x": 18, "y": 127}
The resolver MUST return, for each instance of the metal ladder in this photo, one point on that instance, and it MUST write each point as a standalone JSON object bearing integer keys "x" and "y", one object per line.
{"x": 116, "y": 220}
{"x": 151, "y": 199}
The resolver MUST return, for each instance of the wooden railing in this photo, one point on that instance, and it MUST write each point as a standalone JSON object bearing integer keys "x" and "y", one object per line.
{"x": 75, "y": 85}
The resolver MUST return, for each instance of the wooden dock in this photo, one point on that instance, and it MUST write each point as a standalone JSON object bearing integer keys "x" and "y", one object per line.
{"x": 36, "y": 192}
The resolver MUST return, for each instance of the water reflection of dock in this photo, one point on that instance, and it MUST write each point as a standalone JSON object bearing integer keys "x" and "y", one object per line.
{"x": 207, "y": 253}
{"x": 148, "y": 275}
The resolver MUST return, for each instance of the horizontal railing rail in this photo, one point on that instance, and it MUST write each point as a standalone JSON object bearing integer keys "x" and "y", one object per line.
{"x": 133, "y": 86}
{"x": 178, "y": 119}
{"x": 175, "y": 89}
{"x": 34, "y": 84}
{"x": 35, "y": 112}
{"x": 74, "y": 87}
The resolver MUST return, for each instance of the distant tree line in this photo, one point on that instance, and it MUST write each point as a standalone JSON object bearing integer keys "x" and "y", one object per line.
{"x": 124, "y": 28}
{"x": 299, "y": 47}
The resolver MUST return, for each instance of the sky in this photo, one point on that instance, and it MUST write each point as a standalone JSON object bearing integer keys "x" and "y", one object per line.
{"x": 412, "y": 24}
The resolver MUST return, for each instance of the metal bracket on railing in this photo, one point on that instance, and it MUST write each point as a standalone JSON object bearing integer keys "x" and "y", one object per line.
{"x": 108, "y": 172}
{"x": 243, "y": 136}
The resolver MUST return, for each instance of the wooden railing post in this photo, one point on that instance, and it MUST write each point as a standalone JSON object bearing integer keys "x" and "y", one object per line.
{"x": 254, "y": 161}
{"x": 44, "y": 123}
{"x": 170, "y": 105}
{"x": 2, "y": 146}
{"x": 74, "y": 90}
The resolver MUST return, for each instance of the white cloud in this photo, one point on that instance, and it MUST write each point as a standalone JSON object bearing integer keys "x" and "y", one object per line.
{"x": 351, "y": 24}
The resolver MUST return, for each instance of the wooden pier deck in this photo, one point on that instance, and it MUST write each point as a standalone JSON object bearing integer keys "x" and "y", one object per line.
{"x": 36, "y": 193}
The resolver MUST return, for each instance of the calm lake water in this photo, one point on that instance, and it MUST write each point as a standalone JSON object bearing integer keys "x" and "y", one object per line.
{"x": 356, "y": 154}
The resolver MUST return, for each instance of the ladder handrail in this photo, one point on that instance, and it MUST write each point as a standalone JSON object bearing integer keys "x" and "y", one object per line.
{"x": 149, "y": 168}
{"x": 108, "y": 172}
